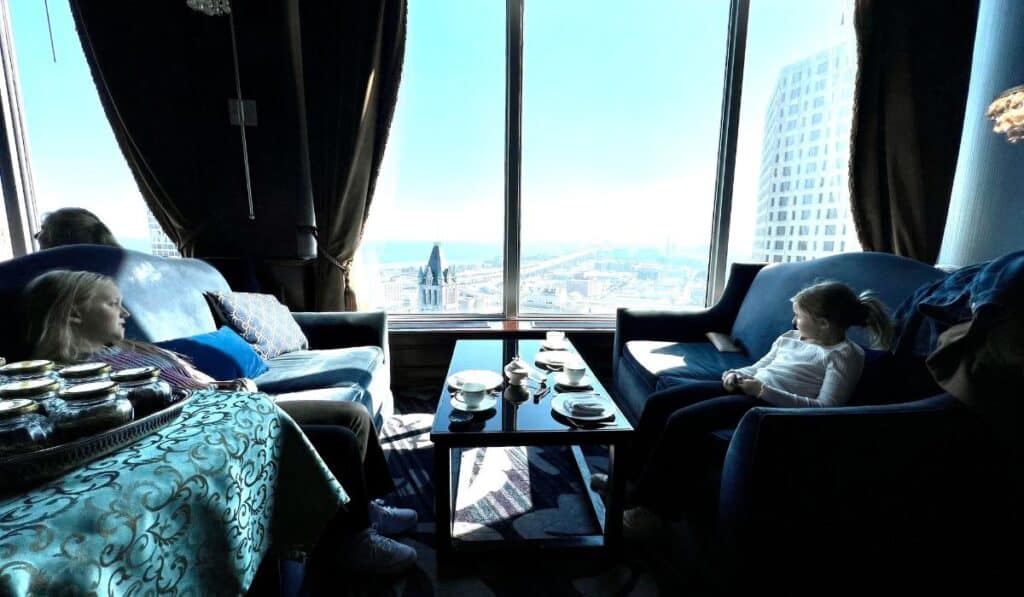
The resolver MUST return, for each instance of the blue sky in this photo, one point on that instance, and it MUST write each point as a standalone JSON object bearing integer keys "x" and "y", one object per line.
{"x": 621, "y": 108}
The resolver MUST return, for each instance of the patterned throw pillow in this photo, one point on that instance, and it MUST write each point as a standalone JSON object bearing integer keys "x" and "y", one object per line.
{"x": 261, "y": 320}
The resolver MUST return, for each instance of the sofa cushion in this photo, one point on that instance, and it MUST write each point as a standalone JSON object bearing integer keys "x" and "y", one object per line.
{"x": 261, "y": 319}
{"x": 303, "y": 370}
{"x": 221, "y": 355}
{"x": 664, "y": 364}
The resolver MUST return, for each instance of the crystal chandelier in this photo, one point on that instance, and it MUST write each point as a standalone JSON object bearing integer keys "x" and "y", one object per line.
{"x": 214, "y": 8}
{"x": 1007, "y": 111}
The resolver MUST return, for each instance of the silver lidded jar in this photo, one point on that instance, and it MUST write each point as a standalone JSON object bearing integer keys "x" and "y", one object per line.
{"x": 22, "y": 427}
{"x": 144, "y": 388}
{"x": 90, "y": 408}
{"x": 84, "y": 373}
{"x": 22, "y": 370}
{"x": 41, "y": 390}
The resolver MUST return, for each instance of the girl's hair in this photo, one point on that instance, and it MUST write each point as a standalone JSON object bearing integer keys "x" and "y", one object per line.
{"x": 50, "y": 300}
{"x": 842, "y": 307}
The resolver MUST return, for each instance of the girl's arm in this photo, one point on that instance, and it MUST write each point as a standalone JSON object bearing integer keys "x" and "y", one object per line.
{"x": 750, "y": 370}
{"x": 841, "y": 377}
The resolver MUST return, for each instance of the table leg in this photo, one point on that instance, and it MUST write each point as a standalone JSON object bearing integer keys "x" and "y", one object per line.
{"x": 613, "y": 515}
{"x": 443, "y": 502}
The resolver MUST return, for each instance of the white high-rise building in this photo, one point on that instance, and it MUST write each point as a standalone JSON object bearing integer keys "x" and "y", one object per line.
{"x": 159, "y": 243}
{"x": 803, "y": 199}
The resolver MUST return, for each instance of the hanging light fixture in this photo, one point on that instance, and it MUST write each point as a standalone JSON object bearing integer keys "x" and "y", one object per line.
{"x": 1007, "y": 111}
{"x": 216, "y": 8}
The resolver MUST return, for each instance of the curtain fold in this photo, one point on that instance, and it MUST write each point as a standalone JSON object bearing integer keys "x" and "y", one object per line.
{"x": 914, "y": 66}
{"x": 349, "y": 102}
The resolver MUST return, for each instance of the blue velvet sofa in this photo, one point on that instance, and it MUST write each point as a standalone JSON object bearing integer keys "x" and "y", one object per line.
{"x": 902, "y": 484}
{"x": 347, "y": 358}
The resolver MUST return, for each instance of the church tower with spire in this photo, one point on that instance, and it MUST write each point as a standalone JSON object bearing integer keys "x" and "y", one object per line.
{"x": 439, "y": 290}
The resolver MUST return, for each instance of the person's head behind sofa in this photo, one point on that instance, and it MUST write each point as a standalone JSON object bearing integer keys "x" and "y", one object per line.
{"x": 72, "y": 314}
{"x": 74, "y": 226}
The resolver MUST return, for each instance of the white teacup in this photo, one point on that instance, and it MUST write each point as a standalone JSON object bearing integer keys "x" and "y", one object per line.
{"x": 575, "y": 370}
{"x": 473, "y": 393}
{"x": 555, "y": 338}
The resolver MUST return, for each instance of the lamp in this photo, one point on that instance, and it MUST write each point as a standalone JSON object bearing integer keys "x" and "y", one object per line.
{"x": 216, "y": 8}
{"x": 1007, "y": 111}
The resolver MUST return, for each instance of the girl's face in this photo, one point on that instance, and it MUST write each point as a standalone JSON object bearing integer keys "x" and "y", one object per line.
{"x": 811, "y": 328}
{"x": 101, "y": 319}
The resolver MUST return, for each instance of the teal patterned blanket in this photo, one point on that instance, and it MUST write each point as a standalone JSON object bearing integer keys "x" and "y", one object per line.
{"x": 191, "y": 509}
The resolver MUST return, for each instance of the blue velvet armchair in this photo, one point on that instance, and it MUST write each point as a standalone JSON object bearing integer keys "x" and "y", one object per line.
{"x": 902, "y": 477}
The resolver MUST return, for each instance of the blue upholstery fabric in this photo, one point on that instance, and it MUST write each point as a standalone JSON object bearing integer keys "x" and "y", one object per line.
{"x": 166, "y": 299}
{"x": 767, "y": 312}
{"x": 261, "y": 319}
{"x": 164, "y": 296}
{"x": 344, "y": 373}
{"x": 221, "y": 355}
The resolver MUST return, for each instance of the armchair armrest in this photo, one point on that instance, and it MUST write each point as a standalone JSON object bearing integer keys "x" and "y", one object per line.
{"x": 685, "y": 326}
{"x": 345, "y": 329}
{"x": 866, "y": 486}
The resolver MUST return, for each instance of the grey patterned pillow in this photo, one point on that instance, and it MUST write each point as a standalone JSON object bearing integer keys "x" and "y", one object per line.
{"x": 261, "y": 320}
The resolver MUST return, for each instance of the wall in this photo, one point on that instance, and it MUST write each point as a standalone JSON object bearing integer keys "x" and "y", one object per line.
{"x": 986, "y": 211}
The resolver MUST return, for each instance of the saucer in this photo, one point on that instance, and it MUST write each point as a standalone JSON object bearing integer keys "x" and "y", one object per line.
{"x": 486, "y": 404}
{"x": 560, "y": 406}
{"x": 553, "y": 359}
{"x": 561, "y": 379}
{"x": 490, "y": 379}
{"x": 560, "y": 345}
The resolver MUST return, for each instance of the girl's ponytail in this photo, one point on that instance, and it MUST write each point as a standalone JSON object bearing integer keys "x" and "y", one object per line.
{"x": 876, "y": 319}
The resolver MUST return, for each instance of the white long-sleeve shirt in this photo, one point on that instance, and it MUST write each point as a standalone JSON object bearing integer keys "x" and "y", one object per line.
{"x": 797, "y": 373}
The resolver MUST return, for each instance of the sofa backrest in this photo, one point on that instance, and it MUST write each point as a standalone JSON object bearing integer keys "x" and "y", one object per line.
{"x": 164, "y": 295}
{"x": 766, "y": 311}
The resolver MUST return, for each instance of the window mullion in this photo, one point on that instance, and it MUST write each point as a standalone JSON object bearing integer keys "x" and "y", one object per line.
{"x": 513, "y": 154}
{"x": 730, "y": 121}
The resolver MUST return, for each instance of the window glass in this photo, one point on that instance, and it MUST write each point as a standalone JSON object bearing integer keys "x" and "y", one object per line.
{"x": 434, "y": 239}
{"x": 75, "y": 159}
{"x": 620, "y": 140}
{"x": 801, "y": 50}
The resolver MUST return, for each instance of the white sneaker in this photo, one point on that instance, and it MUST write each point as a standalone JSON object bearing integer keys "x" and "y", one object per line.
{"x": 641, "y": 523}
{"x": 391, "y": 521}
{"x": 367, "y": 552}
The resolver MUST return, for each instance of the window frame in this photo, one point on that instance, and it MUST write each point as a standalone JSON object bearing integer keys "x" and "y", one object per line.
{"x": 22, "y": 217}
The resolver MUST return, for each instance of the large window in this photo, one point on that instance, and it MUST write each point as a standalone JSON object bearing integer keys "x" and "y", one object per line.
{"x": 434, "y": 237}
{"x": 74, "y": 157}
{"x": 620, "y": 132}
{"x": 794, "y": 133}
{"x": 619, "y": 140}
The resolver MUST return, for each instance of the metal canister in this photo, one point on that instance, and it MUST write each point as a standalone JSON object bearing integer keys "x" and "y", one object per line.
{"x": 23, "y": 428}
{"x": 84, "y": 373}
{"x": 41, "y": 390}
{"x": 144, "y": 388}
{"x": 90, "y": 408}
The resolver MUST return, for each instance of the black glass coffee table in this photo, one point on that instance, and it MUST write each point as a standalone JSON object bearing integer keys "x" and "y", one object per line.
{"x": 521, "y": 417}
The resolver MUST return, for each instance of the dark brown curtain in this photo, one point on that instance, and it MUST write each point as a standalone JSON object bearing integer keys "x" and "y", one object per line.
{"x": 349, "y": 103}
{"x": 914, "y": 62}
{"x": 165, "y": 77}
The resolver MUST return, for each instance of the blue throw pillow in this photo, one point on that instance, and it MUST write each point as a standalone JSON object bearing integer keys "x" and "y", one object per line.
{"x": 221, "y": 355}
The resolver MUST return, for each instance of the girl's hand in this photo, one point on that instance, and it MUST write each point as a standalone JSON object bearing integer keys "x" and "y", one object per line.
{"x": 730, "y": 380}
{"x": 750, "y": 386}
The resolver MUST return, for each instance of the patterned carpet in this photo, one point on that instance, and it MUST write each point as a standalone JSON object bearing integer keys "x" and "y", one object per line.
{"x": 515, "y": 493}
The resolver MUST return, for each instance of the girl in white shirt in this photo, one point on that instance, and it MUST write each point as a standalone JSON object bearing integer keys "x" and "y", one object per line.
{"x": 813, "y": 365}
